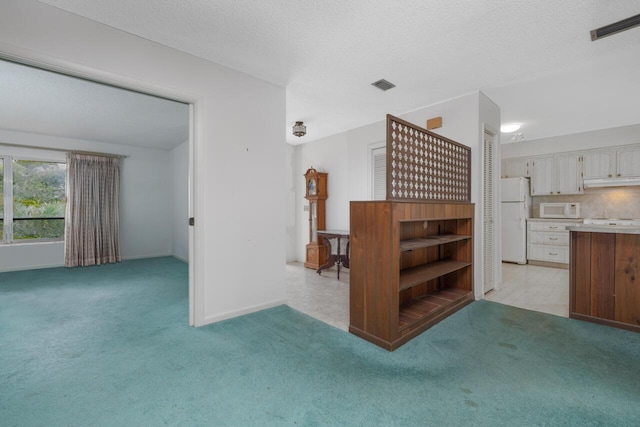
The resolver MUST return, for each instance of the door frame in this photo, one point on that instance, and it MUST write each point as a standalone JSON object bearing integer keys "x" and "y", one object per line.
{"x": 57, "y": 65}
{"x": 497, "y": 264}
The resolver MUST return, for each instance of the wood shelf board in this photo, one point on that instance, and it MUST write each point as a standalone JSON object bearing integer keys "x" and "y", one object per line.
{"x": 425, "y": 242}
{"x": 423, "y": 273}
{"x": 430, "y": 305}
{"x": 436, "y": 218}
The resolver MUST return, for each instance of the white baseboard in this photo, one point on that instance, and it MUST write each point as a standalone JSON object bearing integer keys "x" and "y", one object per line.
{"x": 31, "y": 267}
{"x": 246, "y": 310}
{"x": 43, "y": 266}
{"x": 179, "y": 258}
{"x": 129, "y": 258}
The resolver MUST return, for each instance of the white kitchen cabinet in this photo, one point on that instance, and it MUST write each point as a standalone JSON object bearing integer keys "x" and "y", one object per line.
{"x": 613, "y": 162}
{"x": 543, "y": 176}
{"x": 569, "y": 174}
{"x": 598, "y": 164}
{"x": 548, "y": 241}
{"x": 556, "y": 175}
{"x": 552, "y": 238}
{"x": 513, "y": 168}
{"x": 563, "y": 173}
{"x": 628, "y": 161}
{"x": 555, "y": 254}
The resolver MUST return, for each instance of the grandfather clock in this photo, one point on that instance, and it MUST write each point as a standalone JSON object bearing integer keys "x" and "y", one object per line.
{"x": 316, "y": 194}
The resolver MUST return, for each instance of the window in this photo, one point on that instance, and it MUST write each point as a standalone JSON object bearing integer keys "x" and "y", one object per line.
{"x": 33, "y": 200}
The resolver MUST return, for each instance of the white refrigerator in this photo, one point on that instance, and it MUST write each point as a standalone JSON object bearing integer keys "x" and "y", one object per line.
{"x": 516, "y": 208}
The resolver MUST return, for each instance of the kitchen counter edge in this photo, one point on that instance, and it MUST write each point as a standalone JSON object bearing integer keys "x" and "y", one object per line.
{"x": 592, "y": 228}
{"x": 576, "y": 220}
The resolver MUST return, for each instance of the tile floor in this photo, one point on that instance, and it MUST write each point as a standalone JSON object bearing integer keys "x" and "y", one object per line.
{"x": 321, "y": 296}
{"x": 535, "y": 288}
{"x": 531, "y": 287}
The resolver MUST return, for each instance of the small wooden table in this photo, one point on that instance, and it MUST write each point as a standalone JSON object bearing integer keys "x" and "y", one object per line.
{"x": 338, "y": 258}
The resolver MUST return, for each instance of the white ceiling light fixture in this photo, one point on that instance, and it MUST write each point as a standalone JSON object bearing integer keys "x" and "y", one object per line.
{"x": 517, "y": 137}
{"x": 509, "y": 127}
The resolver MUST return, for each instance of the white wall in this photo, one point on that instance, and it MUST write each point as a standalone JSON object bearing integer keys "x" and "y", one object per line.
{"x": 346, "y": 158}
{"x": 291, "y": 201}
{"x": 578, "y": 141}
{"x": 238, "y": 195}
{"x": 145, "y": 217}
{"x": 180, "y": 201}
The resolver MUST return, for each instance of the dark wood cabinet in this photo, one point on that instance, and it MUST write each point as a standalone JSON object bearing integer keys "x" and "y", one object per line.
{"x": 627, "y": 272}
{"x": 604, "y": 278}
{"x": 411, "y": 266}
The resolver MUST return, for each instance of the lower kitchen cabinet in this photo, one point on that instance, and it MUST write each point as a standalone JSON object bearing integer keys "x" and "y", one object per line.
{"x": 548, "y": 242}
{"x": 604, "y": 273}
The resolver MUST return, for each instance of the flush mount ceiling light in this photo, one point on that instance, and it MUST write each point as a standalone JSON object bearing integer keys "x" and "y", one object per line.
{"x": 382, "y": 84}
{"x": 616, "y": 27}
{"x": 299, "y": 129}
{"x": 517, "y": 137}
{"x": 509, "y": 127}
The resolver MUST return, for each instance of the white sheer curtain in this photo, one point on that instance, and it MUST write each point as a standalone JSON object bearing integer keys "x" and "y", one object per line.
{"x": 92, "y": 220}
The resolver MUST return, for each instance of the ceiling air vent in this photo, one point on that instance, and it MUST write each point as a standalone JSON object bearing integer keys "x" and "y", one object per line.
{"x": 616, "y": 27}
{"x": 382, "y": 84}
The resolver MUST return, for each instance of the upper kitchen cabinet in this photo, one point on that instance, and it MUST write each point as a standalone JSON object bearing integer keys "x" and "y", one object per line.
{"x": 569, "y": 174}
{"x": 614, "y": 162}
{"x": 543, "y": 176}
{"x": 628, "y": 161}
{"x": 555, "y": 175}
{"x": 513, "y": 168}
{"x": 598, "y": 164}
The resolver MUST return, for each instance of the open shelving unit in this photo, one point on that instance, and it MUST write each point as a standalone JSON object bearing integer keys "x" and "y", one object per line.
{"x": 412, "y": 254}
{"x": 411, "y": 266}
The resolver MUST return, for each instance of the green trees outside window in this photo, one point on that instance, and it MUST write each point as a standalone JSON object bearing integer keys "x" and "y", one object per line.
{"x": 38, "y": 202}
{"x": 38, "y": 192}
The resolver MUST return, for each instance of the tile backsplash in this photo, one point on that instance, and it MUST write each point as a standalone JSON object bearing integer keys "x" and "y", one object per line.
{"x": 615, "y": 202}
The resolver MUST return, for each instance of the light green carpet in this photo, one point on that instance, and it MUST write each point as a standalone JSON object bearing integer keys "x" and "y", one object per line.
{"x": 110, "y": 346}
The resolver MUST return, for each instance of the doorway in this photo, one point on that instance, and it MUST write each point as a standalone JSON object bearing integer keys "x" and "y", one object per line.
{"x": 43, "y": 96}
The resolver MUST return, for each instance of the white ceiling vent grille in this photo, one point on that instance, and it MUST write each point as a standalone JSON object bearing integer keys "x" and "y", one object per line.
{"x": 382, "y": 84}
{"x": 614, "y": 28}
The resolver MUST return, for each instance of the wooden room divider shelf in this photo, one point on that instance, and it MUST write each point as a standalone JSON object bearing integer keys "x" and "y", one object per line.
{"x": 411, "y": 244}
{"x": 423, "y": 273}
{"x": 412, "y": 265}
{"x": 430, "y": 306}
{"x": 412, "y": 255}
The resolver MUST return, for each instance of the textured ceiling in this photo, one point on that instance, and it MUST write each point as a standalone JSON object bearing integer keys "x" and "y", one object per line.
{"x": 44, "y": 102}
{"x": 533, "y": 58}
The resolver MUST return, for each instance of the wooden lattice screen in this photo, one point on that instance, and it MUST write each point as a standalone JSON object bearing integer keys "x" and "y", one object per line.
{"x": 424, "y": 166}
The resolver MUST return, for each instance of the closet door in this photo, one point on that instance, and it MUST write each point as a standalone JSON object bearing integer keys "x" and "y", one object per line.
{"x": 488, "y": 213}
{"x": 379, "y": 173}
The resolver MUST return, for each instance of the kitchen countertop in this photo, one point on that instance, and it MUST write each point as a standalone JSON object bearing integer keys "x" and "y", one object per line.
{"x": 576, "y": 220}
{"x": 593, "y": 228}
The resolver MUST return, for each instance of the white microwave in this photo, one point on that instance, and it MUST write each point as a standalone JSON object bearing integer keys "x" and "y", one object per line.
{"x": 559, "y": 210}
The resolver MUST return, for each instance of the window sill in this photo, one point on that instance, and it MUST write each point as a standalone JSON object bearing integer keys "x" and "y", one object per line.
{"x": 31, "y": 242}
